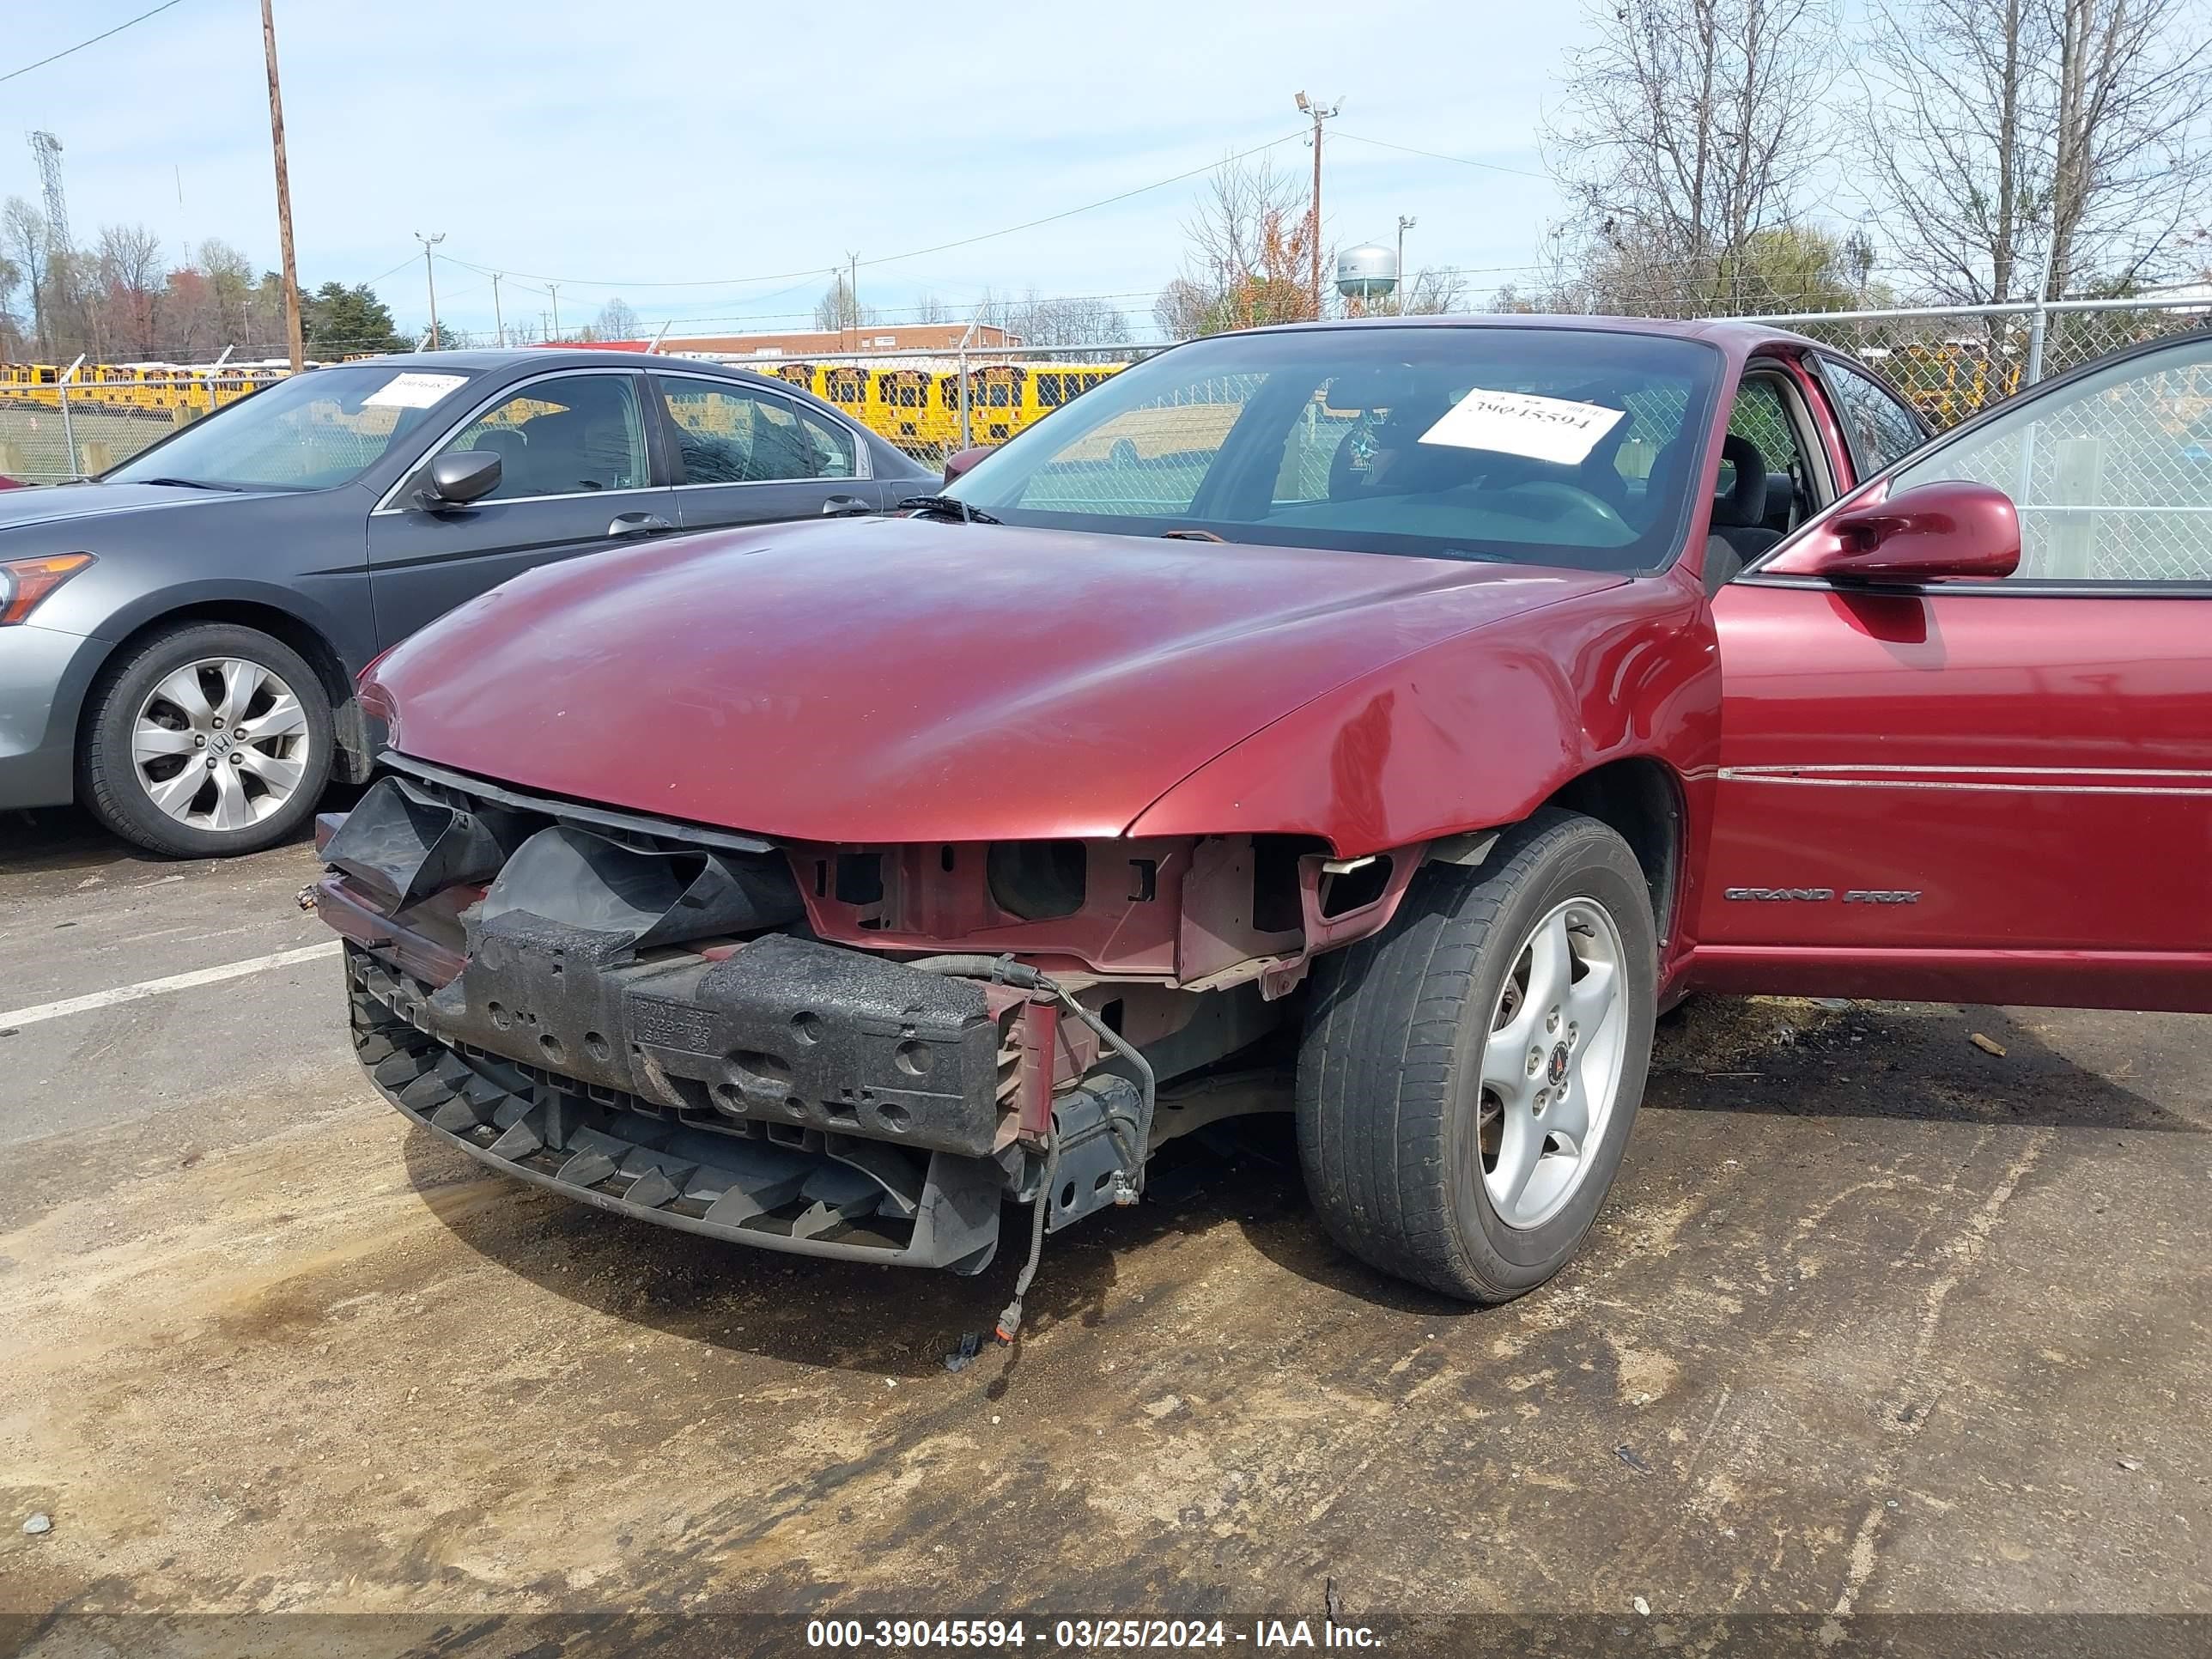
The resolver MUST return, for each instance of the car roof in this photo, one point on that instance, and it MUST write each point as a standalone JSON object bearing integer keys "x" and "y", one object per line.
{"x": 1738, "y": 338}
{"x": 544, "y": 357}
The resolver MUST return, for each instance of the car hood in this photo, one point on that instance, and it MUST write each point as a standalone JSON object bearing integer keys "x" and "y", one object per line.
{"x": 907, "y": 679}
{"x": 21, "y": 507}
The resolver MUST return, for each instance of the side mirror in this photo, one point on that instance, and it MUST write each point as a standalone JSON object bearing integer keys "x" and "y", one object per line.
{"x": 955, "y": 465}
{"x": 465, "y": 476}
{"x": 1948, "y": 528}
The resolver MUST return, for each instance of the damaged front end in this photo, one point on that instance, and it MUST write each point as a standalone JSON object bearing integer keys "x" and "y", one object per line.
{"x": 847, "y": 1052}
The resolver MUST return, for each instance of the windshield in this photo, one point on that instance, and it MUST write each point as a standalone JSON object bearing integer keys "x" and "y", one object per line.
{"x": 1537, "y": 446}
{"x": 324, "y": 426}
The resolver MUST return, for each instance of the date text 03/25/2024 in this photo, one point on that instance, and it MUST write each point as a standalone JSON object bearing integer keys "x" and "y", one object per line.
{"x": 1088, "y": 1635}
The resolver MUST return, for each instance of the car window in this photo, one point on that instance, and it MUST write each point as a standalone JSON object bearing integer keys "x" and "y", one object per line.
{"x": 2110, "y": 472}
{"x": 323, "y": 428}
{"x": 1553, "y": 445}
{"x": 733, "y": 435}
{"x": 1882, "y": 428}
{"x": 1148, "y": 458}
{"x": 1761, "y": 415}
{"x": 573, "y": 434}
{"x": 1323, "y": 433}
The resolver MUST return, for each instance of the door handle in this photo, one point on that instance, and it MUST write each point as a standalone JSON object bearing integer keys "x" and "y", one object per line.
{"x": 637, "y": 524}
{"x": 846, "y": 507}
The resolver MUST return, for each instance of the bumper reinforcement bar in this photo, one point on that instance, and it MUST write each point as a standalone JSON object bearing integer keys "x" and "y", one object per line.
{"x": 774, "y": 1186}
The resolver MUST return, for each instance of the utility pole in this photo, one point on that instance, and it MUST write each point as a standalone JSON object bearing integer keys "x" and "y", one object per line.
{"x": 284, "y": 193}
{"x": 431, "y": 277}
{"x": 554, "y": 289}
{"x": 852, "y": 292}
{"x": 1316, "y": 114}
{"x": 1405, "y": 224}
{"x": 498, "y": 318}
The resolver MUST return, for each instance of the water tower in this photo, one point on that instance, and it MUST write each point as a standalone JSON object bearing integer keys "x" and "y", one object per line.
{"x": 1366, "y": 275}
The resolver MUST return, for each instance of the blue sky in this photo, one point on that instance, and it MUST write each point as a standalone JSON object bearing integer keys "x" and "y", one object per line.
{"x": 619, "y": 147}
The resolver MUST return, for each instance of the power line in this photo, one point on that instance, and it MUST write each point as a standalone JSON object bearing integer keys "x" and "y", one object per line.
{"x": 894, "y": 259}
{"x": 1050, "y": 218}
{"x": 523, "y": 277}
{"x": 394, "y": 272}
{"x": 1438, "y": 156}
{"x": 94, "y": 41}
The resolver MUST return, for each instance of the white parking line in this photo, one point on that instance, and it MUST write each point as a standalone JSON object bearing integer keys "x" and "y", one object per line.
{"x": 154, "y": 987}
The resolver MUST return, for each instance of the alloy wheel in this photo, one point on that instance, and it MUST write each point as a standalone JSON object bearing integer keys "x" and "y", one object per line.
{"x": 1551, "y": 1067}
{"x": 220, "y": 743}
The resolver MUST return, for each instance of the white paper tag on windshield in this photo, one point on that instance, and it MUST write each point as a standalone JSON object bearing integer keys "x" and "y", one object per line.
{"x": 1552, "y": 429}
{"x": 420, "y": 391}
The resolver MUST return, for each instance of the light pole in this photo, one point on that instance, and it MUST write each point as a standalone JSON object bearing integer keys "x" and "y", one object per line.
{"x": 1405, "y": 224}
{"x": 553, "y": 291}
{"x": 431, "y": 277}
{"x": 1316, "y": 114}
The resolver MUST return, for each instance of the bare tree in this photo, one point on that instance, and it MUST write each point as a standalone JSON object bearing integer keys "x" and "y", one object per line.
{"x": 1228, "y": 233}
{"x": 1247, "y": 248}
{"x": 1956, "y": 103}
{"x": 1435, "y": 293}
{"x": 23, "y": 234}
{"x": 1078, "y": 321}
{"x": 2004, "y": 134}
{"x": 190, "y": 315}
{"x": 1247, "y": 253}
{"x": 11, "y": 333}
{"x": 930, "y": 309}
{"x": 2134, "y": 119}
{"x": 1690, "y": 127}
{"x": 836, "y": 309}
{"x": 1034, "y": 320}
{"x": 230, "y": 288}
{"x": 1180, "y": 308}
{"x": 128, "y": 264}
{"x": 617, "y": 321}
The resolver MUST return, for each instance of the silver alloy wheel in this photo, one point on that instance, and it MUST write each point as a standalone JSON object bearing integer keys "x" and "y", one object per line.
{"x": 1552, "y": 1066}
{"x": 220, "y": 743}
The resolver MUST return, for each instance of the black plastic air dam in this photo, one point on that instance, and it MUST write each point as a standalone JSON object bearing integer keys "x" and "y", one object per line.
{"x": 774, "y": 1186}
{"x": 403, "y": 844}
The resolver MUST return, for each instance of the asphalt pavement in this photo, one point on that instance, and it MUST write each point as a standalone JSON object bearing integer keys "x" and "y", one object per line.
{"x": 1881, "y": 1321}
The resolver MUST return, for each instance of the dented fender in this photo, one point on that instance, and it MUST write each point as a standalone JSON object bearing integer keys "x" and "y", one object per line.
{"x": 1472, "y": 731}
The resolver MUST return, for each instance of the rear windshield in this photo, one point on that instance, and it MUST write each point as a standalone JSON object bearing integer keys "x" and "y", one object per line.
{"x": 1538, "y": 446}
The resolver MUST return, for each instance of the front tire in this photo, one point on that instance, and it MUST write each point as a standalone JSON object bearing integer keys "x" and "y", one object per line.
{"x": 206, "y": 740}
{"x": 1469, "y": 1075}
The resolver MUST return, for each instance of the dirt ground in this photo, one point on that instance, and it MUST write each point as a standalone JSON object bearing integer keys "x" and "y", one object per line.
{"x": 1877, "y": 1322}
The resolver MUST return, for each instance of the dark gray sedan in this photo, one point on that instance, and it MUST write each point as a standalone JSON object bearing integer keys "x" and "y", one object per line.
{"x": 179, "y": 639}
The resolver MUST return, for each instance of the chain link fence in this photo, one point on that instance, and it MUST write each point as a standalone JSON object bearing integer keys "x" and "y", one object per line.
{"x": 2113, "y": 483}
{"x": 55, "y": 427}
{"x": 1949, "y": 362}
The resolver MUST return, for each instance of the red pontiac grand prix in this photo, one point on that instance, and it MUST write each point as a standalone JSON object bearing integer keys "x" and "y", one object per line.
{"x": 1379, "y": 721}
